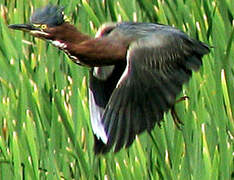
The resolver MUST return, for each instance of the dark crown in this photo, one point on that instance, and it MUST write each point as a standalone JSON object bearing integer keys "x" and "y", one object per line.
{"x": 50, "y": 15}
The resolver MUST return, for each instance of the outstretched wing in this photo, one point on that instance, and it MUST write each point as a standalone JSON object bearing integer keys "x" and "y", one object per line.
{"x": 157, "y": 67}
{"x": 102, "y": 82}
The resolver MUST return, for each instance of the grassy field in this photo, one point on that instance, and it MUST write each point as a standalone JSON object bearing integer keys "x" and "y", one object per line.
{"x": 45, "y": 131}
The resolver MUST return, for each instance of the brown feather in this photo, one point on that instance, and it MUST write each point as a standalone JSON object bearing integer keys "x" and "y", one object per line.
{"x": 99, "y": 51}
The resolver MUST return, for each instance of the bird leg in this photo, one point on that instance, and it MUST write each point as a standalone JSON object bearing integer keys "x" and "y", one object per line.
{"x": 175, "y": 117}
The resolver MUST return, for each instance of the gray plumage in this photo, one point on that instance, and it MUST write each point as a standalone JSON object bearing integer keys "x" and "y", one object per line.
{"x": 49, "y": 15}
{"x": 135, "y": 95}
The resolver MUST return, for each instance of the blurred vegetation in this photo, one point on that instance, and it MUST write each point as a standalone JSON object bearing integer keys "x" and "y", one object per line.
{"x": 45, "y": 131}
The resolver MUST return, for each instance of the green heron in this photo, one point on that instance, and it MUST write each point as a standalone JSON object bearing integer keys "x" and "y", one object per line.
{"x": 137, "y": 70}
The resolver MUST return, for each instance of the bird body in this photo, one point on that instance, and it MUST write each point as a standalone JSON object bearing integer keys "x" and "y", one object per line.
{"x": 137, "y": 70}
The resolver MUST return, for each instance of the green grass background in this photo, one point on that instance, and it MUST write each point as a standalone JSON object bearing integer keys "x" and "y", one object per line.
{"x": 45, "y": 131}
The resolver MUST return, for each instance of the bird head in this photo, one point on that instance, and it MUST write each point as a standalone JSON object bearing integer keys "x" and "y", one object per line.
{"x": 46, "y": 23}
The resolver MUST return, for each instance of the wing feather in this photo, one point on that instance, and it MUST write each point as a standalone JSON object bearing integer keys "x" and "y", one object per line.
{"x": 157, "y": 67}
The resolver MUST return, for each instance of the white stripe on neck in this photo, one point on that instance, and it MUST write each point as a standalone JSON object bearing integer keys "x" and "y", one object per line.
{"x": 59, "y": 44}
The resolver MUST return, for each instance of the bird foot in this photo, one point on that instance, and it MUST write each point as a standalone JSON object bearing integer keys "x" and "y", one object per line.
{"x": 182, "y": 99}
{"x": 175, "y": 117}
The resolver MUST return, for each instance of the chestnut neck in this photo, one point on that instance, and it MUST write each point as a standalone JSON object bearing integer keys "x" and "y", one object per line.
{"x": 67, "y": 33}
{"x": 85, "y": 50}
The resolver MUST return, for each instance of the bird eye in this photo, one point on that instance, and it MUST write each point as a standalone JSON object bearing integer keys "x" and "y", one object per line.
{"x": 43, "y": 26}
